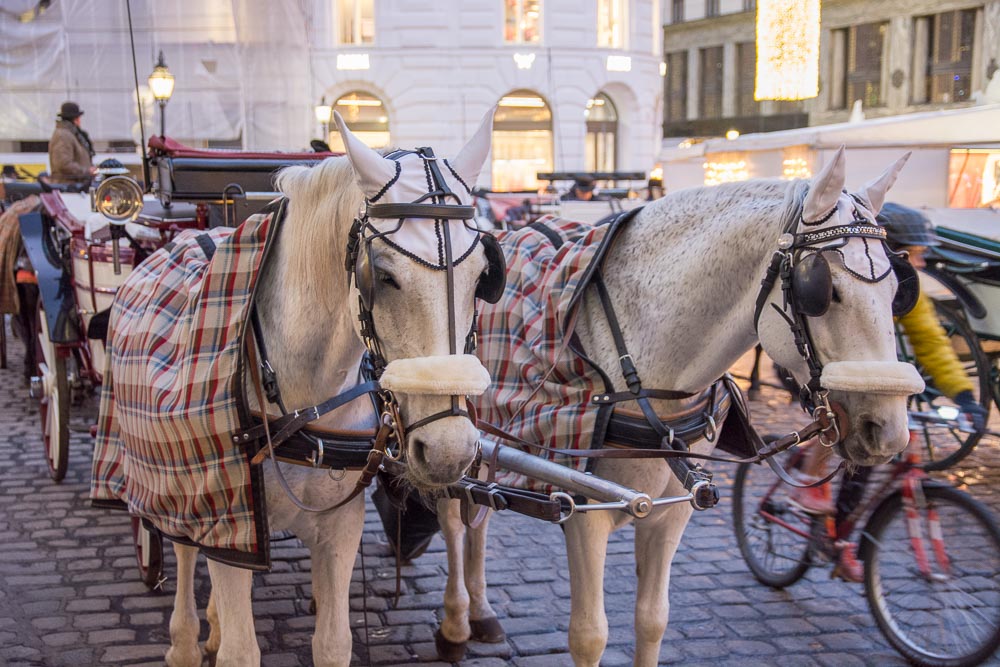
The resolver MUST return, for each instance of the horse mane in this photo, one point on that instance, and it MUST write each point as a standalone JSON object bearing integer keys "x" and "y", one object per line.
{"x": 323, "y": 201}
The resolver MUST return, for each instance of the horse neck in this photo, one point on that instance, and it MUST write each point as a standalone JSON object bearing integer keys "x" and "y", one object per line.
{"x": 684, "y": 278}
{"x": 306, "y": 322}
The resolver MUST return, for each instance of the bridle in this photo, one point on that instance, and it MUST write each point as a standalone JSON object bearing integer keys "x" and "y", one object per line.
{"x": 807, "y": 291}
{"x": 438, "y": 205}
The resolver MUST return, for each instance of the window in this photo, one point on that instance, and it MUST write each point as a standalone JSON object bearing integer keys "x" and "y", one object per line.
{"x": 612, "y": 24}
{"x": 675, "y": 85}
{"x": 365, "y": 116}
{"x": 602, "y": 133}
{"x": 677, "y": 11}
{"x": 522, "y": 21}
{"x": 711, "y": 7}
{"x": 949, "y": 57}
{"x": 746, "y": 68}
{"x": 355, "y": 21}
{"x": 865, "y": 48}
{"x": 974, "y": 178}
{"x": 710, "y": 103}
{"x": 522, "y": 141}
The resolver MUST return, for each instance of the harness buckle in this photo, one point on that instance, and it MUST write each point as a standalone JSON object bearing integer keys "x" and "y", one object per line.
{"x": 710, "y": 429}
{"x": 316, "y": 457}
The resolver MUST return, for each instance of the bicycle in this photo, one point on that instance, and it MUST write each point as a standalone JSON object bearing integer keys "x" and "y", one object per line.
{"x": 931, "y": 553}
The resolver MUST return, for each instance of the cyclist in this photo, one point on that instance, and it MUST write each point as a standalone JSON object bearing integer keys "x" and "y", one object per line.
{"x": 909, "y": 231}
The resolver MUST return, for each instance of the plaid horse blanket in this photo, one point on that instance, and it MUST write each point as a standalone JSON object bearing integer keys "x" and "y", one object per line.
{"x": 548, "y": 264}
{"x": 173, "y": 393}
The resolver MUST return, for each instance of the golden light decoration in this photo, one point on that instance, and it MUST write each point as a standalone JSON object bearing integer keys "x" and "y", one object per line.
{"x": 795, "y": 167}
{"x": 725, "y": 170}
{"x": 787, "y": 49}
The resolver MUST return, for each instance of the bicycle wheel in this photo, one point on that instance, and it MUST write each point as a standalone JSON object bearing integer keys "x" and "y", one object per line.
{"x": 773, "y": 535}
{"x": 945, "y": 444}
{"x": 947, "y": 612}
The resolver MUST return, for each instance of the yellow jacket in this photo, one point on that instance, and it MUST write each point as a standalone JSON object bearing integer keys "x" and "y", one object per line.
{"x": 932, "y": 348}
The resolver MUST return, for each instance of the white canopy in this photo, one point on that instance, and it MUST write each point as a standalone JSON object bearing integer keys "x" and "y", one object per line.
{"x": 942, "y": 128}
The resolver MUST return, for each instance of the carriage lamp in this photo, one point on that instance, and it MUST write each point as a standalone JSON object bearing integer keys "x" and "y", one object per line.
{"x": 119, "y": 198}
{"x": 161, "y": 82}
{"x": 324, "y": 112}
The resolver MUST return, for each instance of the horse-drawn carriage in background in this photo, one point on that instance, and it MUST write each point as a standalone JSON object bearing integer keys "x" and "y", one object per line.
{"x": 618, "y": 192}
{"x": 82, "y": 245}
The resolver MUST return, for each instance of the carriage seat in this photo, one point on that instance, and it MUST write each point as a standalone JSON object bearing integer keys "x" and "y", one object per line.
{"x": 200, "y": 175}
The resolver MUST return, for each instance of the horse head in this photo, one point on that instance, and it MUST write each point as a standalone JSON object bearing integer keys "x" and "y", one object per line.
{"x": 416, "y": 265}
{"x": 840, "y": 288}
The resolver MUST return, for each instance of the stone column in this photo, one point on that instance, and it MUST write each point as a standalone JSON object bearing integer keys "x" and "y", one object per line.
{"x": 694, "y": 83}
{"x": 918, "y": 71}
{"x": 897, "y": 59}
{"x": 729, "y": 79}
{"x": 838, "y": 70}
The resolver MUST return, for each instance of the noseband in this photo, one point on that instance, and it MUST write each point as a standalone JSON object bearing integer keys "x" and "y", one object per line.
{"x": 433, "y": 206}
{"x": 807, "y": 291}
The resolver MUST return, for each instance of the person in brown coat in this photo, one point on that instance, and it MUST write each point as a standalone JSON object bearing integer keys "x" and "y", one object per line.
{"x": 70, "y": 149}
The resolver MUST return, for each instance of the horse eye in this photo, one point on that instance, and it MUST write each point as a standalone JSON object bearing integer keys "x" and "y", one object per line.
{"x": 386, "y": 279}
{"x": 836, "y": 295}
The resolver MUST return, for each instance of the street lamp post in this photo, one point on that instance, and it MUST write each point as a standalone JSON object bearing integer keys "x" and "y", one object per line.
{"x": 324, "y": 112}
{"x": 161, "y": 82}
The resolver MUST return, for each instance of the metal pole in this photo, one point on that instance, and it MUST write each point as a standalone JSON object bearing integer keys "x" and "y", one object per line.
{"x": 163, "y": 118}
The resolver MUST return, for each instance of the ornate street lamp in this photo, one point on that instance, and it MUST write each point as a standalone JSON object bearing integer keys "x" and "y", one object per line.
{"x": 161, "y": 82}
{"x": 324, "y": 112}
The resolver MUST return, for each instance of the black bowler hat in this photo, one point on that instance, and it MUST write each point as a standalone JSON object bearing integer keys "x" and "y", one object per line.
{"x": 584, "y": 183}
{"x": 70, "y": 110}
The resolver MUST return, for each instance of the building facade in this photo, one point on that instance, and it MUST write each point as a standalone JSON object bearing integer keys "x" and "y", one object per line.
{"x": 891, "y": 56}
{"x": 576, "y": 84}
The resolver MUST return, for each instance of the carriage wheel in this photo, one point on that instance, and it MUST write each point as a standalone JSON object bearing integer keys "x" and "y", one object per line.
{"x": 148, "y": 554}
{"x": 54, "y": 406}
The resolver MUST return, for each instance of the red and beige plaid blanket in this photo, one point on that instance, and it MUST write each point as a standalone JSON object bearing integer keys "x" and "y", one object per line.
{"x": 172, "y": 393}
{"x": 548, "y": 264}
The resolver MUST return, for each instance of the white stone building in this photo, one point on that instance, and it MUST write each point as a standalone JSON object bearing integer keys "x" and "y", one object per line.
{"x": 577, "y": 81}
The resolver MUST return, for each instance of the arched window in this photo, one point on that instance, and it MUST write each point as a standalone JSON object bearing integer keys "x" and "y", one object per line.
{"x": 602, "y": 133}
{"x": 365, "y": 116}
{"x": 522, "y": 141}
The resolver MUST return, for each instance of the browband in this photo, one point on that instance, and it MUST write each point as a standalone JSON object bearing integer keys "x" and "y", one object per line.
{"x": 811, "y": 238}
{"x": 429, "y": 211}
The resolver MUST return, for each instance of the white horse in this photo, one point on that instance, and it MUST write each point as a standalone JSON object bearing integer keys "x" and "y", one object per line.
{"x": 310, "y": 324}
{"x": 684, "y": 277}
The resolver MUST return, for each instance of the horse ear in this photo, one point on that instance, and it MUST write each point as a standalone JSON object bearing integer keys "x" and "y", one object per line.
{"x": 825, "y": 189}
{"x": 372, "y": 170}
{"x": 875, "y": 191}
{"x": 470, "y": 160}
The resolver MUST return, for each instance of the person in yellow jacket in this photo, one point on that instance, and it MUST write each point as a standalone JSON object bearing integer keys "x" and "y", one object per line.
{"x": 909, "y": 231}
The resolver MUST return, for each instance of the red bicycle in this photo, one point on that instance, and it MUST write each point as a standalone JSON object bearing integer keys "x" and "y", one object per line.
{"x": 931, "y": 553}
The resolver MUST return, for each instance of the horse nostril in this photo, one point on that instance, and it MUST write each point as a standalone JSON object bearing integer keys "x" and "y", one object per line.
{"x": 872, "y": 430}
{"x": 418, "y": 450}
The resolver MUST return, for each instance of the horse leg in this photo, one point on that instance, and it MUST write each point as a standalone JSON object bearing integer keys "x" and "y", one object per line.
{"x": 334, "y": 550}
{"x": 656, "y": 541}
{"x": 482, "y": 619}
{"x": 214, "y": 632}
{"x": 184, "y": 624}
{"x": 586, "y": 550}
{"x": 453, "y": 634}
{"x": 231, "y": 587}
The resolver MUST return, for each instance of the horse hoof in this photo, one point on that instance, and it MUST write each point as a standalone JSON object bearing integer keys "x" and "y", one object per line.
{"x": 449, "y": 651}
{"x": 487, "y": 630}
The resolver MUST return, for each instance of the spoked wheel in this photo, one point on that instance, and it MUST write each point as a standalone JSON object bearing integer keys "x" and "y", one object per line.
{"x": 773, "y": 534}
{"x": 148, "y": 554}
{"x": 55, "y": 398}
{"x": 946, "y": 443}
{"x": 941, "y": 607}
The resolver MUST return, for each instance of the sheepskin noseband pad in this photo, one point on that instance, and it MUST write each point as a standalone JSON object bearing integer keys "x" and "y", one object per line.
{"x": 445, "y": 375}
{"x": 889, "y": 378}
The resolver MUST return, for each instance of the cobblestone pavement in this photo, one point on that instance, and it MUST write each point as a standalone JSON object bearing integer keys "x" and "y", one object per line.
{"x": 70, "y": 594}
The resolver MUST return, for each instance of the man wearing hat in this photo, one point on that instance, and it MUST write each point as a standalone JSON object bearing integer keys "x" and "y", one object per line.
{"x": 582, "y": 190}
{"x": 70, "y": 149}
